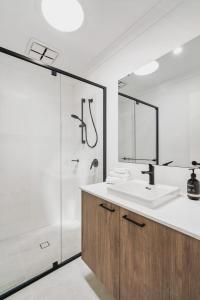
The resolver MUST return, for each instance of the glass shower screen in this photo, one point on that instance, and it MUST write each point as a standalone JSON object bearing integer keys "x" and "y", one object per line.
{"x": 77, "y": 157}
{"x": 30, "y": 235}
{"x": 42, "y": 164}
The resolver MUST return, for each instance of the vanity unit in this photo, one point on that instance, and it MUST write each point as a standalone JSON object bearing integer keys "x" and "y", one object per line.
{"x": 150, "y": 252}
{"x": 140, "y": 253}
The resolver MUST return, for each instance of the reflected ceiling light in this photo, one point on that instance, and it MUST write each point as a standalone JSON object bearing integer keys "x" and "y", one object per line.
{"x": 178, "y": 50}
{"x": 147, "y": 69}
{"x": 64, "y": 15}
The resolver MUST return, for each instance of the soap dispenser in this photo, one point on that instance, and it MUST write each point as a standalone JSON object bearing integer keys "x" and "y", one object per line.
{"x": 193, "y": 187}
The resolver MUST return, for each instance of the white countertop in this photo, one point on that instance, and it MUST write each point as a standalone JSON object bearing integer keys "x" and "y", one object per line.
{"x": 180, "y": 214}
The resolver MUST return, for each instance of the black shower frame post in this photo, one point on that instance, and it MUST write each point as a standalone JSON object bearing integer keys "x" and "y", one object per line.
{"x": 157, "y": 120}
{"x": 82, "y": 117}
{"x": 54, "y": 72}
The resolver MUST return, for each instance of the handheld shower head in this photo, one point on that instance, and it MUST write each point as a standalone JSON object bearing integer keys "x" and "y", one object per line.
{"x": 76, "y": 117}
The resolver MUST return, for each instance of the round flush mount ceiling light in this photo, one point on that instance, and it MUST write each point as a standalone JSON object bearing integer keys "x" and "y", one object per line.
{"x": 64, "y": 15}
{"x": 178, "y": 50}
{"x": 147, "y": 69}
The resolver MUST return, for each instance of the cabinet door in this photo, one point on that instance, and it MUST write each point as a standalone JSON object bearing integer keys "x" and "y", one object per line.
{"x": 185, "y": 267}
{"x": 100, "y": 240}
{"x": 144, "y": 258}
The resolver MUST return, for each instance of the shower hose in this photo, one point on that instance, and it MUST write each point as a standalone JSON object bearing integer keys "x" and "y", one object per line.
{"x": 86, "y": 137}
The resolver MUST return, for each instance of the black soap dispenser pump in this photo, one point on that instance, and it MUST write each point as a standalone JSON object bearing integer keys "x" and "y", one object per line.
{"x": 193, "y": 187}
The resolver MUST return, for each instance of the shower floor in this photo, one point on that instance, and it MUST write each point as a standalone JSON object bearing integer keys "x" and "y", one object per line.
{"x": 74, "y": 281}
{"x": 22, "y": 257}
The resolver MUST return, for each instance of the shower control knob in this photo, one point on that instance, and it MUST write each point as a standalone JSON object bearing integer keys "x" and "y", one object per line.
{"x": 94, "y": 163}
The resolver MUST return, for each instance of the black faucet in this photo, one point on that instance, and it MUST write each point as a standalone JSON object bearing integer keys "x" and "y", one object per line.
{"x": 151, "y": 174}
{"x": 195, "y": 163}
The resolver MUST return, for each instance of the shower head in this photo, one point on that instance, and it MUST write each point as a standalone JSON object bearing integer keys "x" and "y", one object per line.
{"x": 76, "y": 117}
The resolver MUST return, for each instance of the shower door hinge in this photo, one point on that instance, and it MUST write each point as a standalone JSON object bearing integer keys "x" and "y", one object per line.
{"x": 53, "y": 73}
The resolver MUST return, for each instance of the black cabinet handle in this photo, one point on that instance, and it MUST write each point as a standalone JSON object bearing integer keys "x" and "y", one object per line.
{"x": 134, "y": 222}
{"x": 107, "y": 208}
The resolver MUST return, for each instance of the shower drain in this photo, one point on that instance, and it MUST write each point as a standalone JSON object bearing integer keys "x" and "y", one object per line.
{"x": 44, "y": 245}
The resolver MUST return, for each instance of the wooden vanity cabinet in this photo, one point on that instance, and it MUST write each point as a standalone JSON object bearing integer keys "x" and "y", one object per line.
{"x": 184, "y": 267}
{"x": 144, "y": 258}
{"x": 136, "y": 258}
{"x": 100, "y": 240}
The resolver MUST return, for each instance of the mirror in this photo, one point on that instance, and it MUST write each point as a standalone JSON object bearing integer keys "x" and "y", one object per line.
{"x": 159, "y": 113}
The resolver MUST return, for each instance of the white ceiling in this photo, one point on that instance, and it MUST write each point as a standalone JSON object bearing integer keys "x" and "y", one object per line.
{"x": 105, "y": 22}
{"x": 171, "y": 67}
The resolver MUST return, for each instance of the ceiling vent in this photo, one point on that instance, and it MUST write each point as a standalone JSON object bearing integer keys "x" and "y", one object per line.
{"x": 39, "y": 51}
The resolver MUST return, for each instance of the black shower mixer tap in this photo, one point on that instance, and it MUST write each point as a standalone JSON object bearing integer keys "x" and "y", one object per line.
{"x": 94, "y": 163}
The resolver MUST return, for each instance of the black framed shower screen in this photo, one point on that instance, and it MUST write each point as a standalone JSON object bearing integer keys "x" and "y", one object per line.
{"x": 54, "y": 72}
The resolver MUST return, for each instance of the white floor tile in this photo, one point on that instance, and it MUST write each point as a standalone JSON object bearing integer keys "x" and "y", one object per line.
{"x": 75, "y": 281}
{"x": 22, "y": 257}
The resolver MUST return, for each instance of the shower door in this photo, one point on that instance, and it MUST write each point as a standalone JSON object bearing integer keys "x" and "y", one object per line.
{"x": 30, "y": 228}
{"x": 77, "y": 173}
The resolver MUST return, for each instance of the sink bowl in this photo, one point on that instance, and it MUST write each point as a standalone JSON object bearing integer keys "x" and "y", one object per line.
{"x": 148, "y": 195}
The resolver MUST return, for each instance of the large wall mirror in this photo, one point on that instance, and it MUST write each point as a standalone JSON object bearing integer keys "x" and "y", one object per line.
{"x": 159, "y": 110}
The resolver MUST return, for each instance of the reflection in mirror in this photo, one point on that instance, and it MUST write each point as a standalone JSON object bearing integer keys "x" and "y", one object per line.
{"x": 159, "y": 112}
{"x": 138, "y": 122}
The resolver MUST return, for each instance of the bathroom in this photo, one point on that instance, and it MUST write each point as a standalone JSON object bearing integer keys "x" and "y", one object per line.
{"x": 65, "y": 131}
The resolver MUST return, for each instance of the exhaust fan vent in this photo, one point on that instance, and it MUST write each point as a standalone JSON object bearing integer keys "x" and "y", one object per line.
{"x": 40, "y": 52}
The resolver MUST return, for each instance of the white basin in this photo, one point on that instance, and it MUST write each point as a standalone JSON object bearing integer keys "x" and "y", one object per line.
{"x": 145, "y": 194}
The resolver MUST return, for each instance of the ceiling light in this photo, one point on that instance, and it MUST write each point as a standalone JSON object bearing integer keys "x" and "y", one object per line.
{"x": 147, "y": 69}
{"x": 178, "y": 50}
{"x": 64, "y": 15}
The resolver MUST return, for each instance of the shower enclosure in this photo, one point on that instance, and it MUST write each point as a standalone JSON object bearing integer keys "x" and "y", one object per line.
{"x": 42, "y": 164}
